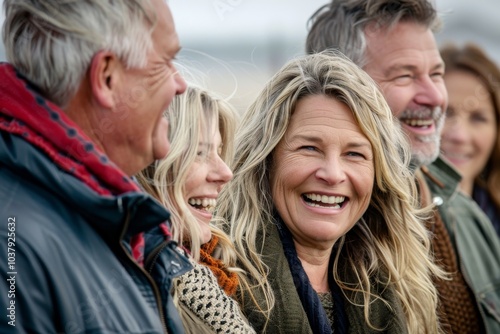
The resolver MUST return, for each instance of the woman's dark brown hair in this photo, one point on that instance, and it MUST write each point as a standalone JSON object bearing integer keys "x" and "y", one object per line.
{"x": 474, "y": 60}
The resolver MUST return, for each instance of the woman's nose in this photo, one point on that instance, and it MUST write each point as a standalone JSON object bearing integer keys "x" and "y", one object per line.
{"x": 331, "y": 171}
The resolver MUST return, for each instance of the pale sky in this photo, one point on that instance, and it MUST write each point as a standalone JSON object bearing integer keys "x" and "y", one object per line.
{"x": 257, "y": 21}
{"x": 234, "y": 46}
{"x": 232, "y": 19}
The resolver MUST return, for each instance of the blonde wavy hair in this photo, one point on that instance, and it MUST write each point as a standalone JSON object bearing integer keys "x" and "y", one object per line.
{"x": 390, "y": 236}
{"x": 190, "y": 116}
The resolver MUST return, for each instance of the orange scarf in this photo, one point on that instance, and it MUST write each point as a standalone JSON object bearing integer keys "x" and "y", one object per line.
{"x": 227, "y": 280}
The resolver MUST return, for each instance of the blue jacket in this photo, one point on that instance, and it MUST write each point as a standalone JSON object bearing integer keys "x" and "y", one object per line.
{"x": 69, "y": 269}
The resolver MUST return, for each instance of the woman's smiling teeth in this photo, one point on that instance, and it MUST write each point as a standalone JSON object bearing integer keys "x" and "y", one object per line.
{"x": 324, "y": 201}
{"x": 206, "y": 204}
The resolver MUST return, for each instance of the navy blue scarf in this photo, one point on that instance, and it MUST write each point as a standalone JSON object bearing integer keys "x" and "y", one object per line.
{"x": 316, "y": 314}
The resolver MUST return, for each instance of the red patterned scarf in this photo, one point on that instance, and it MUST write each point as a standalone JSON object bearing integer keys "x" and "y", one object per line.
{"x": 24, "y": 112}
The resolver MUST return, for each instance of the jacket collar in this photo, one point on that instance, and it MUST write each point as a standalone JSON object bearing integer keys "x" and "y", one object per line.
{"x": 442, "y": 178}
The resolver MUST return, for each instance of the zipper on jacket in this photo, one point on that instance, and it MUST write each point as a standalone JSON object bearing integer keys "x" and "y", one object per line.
{"x": 151, "y": 260}
{"x": 156, "y": 292}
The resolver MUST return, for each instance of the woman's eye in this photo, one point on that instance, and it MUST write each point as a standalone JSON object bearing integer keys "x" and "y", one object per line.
{"x": 308, "y": 148}
{"x": 479, "y": 118}
{"x": 356, "y": 154}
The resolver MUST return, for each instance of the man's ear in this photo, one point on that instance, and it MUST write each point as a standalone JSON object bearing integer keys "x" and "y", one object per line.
{"x": 104, "y": 71}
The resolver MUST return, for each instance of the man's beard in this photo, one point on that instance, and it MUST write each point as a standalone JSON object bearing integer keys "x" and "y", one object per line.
{"x": 419, "y": 157}
{"x": 427, "y": 155}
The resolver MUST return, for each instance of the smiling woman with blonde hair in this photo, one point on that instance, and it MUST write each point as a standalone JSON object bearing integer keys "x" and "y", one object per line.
{"x": 188, "y": 182}
{"x": 322, "y": 208}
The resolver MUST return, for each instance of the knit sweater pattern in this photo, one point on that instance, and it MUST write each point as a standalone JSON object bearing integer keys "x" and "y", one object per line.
{"x": 199, "y": 292}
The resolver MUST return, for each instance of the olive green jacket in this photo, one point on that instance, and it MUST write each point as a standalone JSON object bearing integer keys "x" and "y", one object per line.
{"x": 474, "y": 238}
{"x": 288, "y": 315}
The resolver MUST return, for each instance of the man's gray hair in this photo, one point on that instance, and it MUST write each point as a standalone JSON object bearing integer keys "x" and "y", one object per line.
{"x": 52, "y": 42}
{"x": 341, "y": 24}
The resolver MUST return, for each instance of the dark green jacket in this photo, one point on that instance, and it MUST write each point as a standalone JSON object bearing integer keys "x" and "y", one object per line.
{"x": 288, "y": 315}
{"x": 474, "y": 238}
